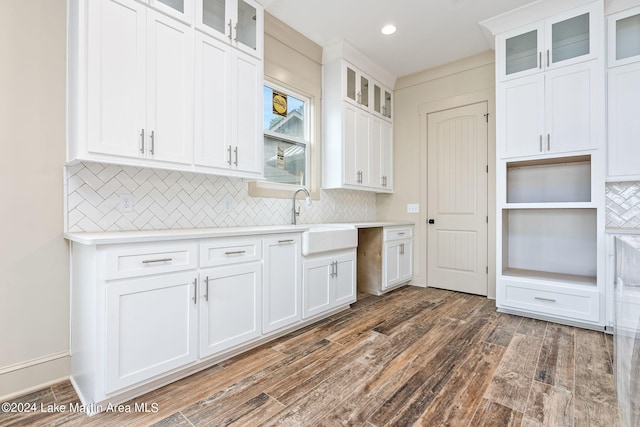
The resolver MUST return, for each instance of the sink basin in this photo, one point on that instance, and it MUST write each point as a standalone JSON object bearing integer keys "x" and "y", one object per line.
{"x": 326, "y": 238}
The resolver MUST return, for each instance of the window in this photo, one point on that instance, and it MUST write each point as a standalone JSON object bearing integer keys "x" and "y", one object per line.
{"x": 286, "y": 136}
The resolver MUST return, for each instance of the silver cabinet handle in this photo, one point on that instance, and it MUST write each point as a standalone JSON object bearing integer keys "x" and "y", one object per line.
{"x": 235, "y": 253}
{"x": 195, "y": 290}
{"x": 206, "y": 289}
{"x": 150, "y": 261}
{"x": 359, "y": 101}
{"x": 541, "y": 143}
{"x": 545, "y": 299}
{"x": 236, "y": 153}
{"x": 235, "y": 39}
{"x": 540, "y": 60}
{"x": 401, "y": 248}
{"x": 285, "y": 241}
{"x": 402, "y": 233}
{"x": 229, "y": 150}
{"x": 548, "y": 142}
{"x": 153, "y": 142}
{"x": 547, "y": 57}
{"x": 230, "y": 31}
{"x": 359, "y": 177}
{"x": 142, "y": 141}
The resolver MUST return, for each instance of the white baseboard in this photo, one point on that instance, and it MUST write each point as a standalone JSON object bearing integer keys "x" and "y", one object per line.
{"x": 26, "y": 377}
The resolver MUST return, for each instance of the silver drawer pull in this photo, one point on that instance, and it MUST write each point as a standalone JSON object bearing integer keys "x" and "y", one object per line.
{"x": 286, "y": 241}
{"x": 235, "y": 253}
{"x": 150, "y": 261}
{"x": 545, "y": 299}
{"x": 402, "y": 234}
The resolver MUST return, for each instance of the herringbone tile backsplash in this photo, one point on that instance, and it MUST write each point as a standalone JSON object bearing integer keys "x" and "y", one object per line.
{"x": 171, "y": 199}
{"x": 623, "y": 204}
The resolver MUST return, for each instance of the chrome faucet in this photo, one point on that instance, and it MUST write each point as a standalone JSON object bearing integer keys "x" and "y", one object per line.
{"x": 294, "y": 212}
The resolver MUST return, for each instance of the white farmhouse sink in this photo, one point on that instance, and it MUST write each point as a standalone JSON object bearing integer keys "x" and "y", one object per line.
{"x": 326, "y": 238}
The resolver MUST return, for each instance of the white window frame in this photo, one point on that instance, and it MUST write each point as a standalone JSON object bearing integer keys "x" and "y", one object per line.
{"x": 281, "y": 190}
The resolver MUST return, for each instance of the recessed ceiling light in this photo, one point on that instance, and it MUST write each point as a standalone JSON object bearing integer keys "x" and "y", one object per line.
{"x": 388, "y": 29}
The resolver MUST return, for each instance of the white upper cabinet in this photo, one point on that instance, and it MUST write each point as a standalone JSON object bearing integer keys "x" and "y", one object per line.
{"x": 238, "y": 22}
{"x": 561, "y": 40}
{"x": 624, "y": 37}
{"x": 382, "y": 98}
{"x": 139, "y": 73}
{"x": 623, "y": 100}
{"x": 554, "y": 112}
{"x": 132, "y": 85}
{"x": 357, "y": 87}
{"x": 227, "y": 123}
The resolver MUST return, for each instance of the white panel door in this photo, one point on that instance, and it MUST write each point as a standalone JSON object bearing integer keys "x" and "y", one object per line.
{"x": 521, "y": 116}
{"x": 230, "y": 307}
{"x": 169, "y": 89}
{"x": 247, "y": 130}
{"x": 212, "y": 100}
{"x": 351, "y": 175}
{"x": 160, "y": 333}
{"x": 282, "y": 287}
{"x": 363, "y": 154}
{"x": 375, "y": 153}
{"x": 624, "y": 126}
{"x": 345, "y": 279}
{"x": 116, "y": 77}
{"x": 457, "y": 199}
{"x": 571, "y": 98}
{"x": 386, "y": 155}
{"x": 317, "y": 293}
{"x": 398, "y": 262}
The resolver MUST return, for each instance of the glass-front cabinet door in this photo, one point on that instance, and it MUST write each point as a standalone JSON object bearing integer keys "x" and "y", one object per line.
{"x": 562, "y": 40}
{"x": 357, "y": 87}
{"x": 521, "y": 51}
{"x": 624, "y": 37}
{"x": 238, "y": 22}
{"x": 571, "y": 37}
{"x": 180, "y": 9}
{"x": 381, "y": 101}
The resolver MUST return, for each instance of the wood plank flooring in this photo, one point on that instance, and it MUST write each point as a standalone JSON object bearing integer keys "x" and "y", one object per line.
{"x": 412, "y": 357}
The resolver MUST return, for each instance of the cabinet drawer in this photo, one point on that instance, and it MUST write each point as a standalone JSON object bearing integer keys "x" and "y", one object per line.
{"x": 558, "y": 301}
{"x": 395, "y": 233}
{"x": 230, "y": 251}
{"x": 143, "y": 260}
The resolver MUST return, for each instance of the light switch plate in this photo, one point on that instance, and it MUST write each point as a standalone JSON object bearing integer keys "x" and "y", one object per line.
{"x": 413, "y": 208}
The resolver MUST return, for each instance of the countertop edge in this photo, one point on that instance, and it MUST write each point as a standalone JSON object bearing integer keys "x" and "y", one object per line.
{"x": 142, "y": 236}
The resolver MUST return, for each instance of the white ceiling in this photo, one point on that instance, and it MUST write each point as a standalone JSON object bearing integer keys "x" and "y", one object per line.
{"x": 430, "y": 32}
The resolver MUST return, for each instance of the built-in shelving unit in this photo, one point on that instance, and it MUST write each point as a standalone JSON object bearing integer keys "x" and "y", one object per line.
{"x": 550, "y": 162}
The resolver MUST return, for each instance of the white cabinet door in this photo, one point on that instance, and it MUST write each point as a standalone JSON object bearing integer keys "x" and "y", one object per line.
{"x": 571, "y": 108}
{"x": 357, "y": 87}
{"x": 624, "y": 126}
{"x": 398, "y": 262}
{"x": 139, "y": 83}
{"x": 230, "y": 307}
{"x": 553, "y": 112}
{"x": 520, "y": 116}
{"x": 150, "y": 328}
{"x": 282, "y": 286}
{"x": 344, "y": 280}
{"x": 213, "y": 96}
{"x": 375, "y": 153}
{"x": 116, "y": 76}
{"x": 386, "y": 156}
{"x": 519, "y": 52}
{"x": 246, "y": 131}
{"x": 317, "y": 293}
{"x": 356, "y": 134}
{"x": 169, "y": 89}
{"x": 239, "y": 23}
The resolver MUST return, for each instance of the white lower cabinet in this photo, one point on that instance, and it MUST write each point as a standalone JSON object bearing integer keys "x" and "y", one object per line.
{"x": 150, "y": 328}
{"x": 281, "y": 300}
{"x": 329, "y": 281}
{"x": 144, "y": 314}
{"x": 230, "y": 299}
{"x": 398, "y": 256}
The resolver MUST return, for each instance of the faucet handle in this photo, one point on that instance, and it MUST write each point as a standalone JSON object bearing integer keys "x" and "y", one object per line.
{"x": 297, "y": 211}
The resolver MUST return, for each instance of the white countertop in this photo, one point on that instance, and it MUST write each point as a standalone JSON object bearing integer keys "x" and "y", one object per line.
{"x": 614, "y": 230}
{"x": 117, "y": 237}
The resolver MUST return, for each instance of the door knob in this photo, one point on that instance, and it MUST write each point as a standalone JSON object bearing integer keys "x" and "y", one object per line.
{"x": 432, "y": 221}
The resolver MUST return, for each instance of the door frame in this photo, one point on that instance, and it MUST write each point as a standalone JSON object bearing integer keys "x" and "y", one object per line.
{"x": 488, "y": 96}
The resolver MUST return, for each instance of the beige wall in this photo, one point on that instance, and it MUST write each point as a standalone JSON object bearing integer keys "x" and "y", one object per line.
{"x": 34, "y": 272}
{"x": 463, "y": 82}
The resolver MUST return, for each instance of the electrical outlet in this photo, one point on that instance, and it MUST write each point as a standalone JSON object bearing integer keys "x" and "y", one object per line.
{"x": 125, "y": 202}
{"x": 227, "y": 204}
{"x": 413, "y": 208}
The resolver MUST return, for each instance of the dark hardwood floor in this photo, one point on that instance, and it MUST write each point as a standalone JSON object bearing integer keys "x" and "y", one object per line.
{"x": 412, "y": 357}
